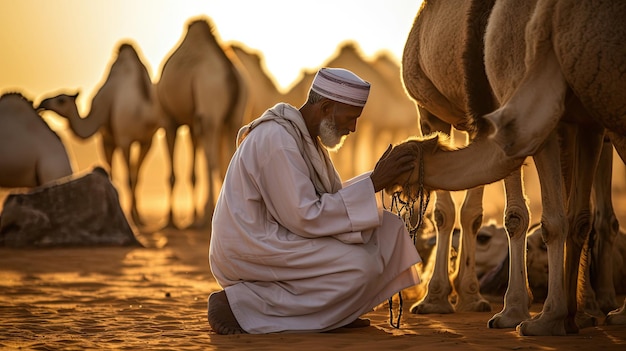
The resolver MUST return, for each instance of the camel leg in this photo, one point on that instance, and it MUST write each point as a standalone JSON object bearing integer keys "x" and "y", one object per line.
{"x": 518, "y": 297}
{"x": 587, "y": 152}
{"x": 439, "y": 287}
{"x": 195, "y": 134}
{"x": 108, "y": 147}
{"x": 617, "y": 317}
{"x": 551, "y": 320}
{"x": 210, "y": 137}
{"x": 170, "y": 138}
{"x": 606, "y": 228}
{"x": 466, "y": 283}
{"x": 133, "y": 178}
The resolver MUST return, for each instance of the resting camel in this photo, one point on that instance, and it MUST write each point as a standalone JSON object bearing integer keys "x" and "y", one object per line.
{"x": 124, "y": 110}
{"x": 201, "y": 87}
{"x": 31, "y": 154}
{"x": 547, "y": 62}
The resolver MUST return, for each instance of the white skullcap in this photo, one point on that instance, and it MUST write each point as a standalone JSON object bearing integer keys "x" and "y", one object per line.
{"x": 341, "y": 85}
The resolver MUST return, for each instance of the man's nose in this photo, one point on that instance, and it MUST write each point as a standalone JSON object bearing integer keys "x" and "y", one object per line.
{"x": 352, "y": 127}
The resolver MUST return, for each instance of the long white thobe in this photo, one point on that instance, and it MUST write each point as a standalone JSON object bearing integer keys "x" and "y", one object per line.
{"x": 292, "y": 260}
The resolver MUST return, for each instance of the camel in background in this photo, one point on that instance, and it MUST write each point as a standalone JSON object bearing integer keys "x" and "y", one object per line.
{"x": 31, "y": 154}
{"x": 263, "y": 90}
{"x": 124, "y": 110}
{"x": 201, "y": 87}
{"x": 542, "y": 67}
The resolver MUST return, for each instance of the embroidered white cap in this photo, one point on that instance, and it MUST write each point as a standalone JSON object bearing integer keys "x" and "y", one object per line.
{"x": 341, "y": 85}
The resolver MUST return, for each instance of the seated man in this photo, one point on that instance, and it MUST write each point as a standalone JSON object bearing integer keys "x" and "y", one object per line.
{"x": 293, "y": 248}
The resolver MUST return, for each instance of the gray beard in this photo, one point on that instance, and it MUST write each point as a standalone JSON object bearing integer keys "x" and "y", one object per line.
{"x": 329, "y": 136}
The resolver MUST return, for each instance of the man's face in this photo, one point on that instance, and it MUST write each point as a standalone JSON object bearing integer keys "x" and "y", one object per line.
{"x": 333, "y": 130}
{"x": 330, "y": 136}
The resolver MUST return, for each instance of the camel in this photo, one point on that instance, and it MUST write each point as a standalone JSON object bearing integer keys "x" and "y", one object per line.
{"x": 536, "y": 68}
{"x": 31, "y": 154}
{"x": 433, "y": 76}
{"x": 83, "y": 210}
{"x": 264, "y": 92}
{"x": 124, "y": 110}
{"x": 202, "y": 88}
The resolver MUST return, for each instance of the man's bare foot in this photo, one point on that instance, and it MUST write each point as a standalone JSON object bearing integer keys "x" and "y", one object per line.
{"x": 358, "y": 323}
{"x": 221, "y": 317}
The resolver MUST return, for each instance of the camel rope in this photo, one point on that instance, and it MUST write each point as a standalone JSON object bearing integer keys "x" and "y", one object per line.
{"x": 403, "y": 204}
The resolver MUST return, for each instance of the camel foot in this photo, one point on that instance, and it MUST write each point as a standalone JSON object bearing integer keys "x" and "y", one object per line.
{"x": 137, "y": 219}
{"x": 428, "y": 306}
{"x": 477, "y": 305}
{"x": 221, "y": 317}
{"x": 542, "y": 325}
{"x": 508, "y": 318}
{"x": 617, "y": 317}
{"x": 200, "y": 223}
{"x": 607, "y": 304}
{"x": 170, "y": 225}
{"x": 584, "y": 320}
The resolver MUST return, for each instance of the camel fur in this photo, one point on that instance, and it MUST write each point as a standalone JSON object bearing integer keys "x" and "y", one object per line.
{"x": 202, "y": 87}
{"x": 31, "y": 154}
{"x": 125, "y": 111}
{"x": 534, "y": 74}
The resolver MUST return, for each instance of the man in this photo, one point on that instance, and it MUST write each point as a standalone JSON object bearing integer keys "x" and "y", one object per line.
{"x": 293, "y": 248}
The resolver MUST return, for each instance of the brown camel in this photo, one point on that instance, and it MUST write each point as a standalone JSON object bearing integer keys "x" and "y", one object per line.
{"x": 31, "y": 154}
{"x": 264, "y": 92}
{"x": 201, "y": 87}
{"x": 433, "y": 74}
{"x": 555, "y": 62}
{"x": 124, "y": 110}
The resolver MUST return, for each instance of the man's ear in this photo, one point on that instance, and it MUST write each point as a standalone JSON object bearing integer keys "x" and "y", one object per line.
{"x": 327, "y": 107}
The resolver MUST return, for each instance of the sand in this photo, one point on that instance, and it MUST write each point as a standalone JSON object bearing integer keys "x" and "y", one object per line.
{"x": 155, "y": 298}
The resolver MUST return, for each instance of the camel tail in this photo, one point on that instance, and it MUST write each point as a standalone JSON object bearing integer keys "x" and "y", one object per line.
{"x": 480, "y": 99}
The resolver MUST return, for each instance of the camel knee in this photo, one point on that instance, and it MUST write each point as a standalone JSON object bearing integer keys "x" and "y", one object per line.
{"x": 554, "y": 229}
{"x": 516, "y": 221}
{"x": 581, "y": 227}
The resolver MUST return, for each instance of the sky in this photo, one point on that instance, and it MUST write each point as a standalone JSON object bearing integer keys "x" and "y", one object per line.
{"x": 68, "y": 44}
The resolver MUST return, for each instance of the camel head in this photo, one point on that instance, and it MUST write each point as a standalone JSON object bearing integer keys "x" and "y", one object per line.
{"x": 61, "y": 104}
{"x": 412, "y": 183}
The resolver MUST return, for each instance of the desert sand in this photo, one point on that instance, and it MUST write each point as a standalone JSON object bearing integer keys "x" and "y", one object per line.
{"x": 154, "y": 297}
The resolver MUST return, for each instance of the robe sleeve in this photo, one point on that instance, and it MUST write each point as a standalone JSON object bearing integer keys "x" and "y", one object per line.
{"x": 292, "y": 201}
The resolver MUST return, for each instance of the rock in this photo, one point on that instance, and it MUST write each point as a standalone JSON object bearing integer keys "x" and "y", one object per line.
{"x": 80, "y": 211}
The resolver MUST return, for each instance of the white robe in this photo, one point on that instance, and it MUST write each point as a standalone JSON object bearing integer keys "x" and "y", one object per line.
{"x": 292, "y": 260}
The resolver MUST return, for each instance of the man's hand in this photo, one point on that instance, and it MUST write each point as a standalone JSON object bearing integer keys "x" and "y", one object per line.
{"x": 391, "y": 165}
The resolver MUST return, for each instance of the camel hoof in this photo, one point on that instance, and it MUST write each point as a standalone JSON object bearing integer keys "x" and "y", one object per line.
{"x": 480, "y": 305}
{"x": 615, "y": 319}
{"x": 508, "y": 318}
{"x": 424, "y": 307}
{"x": 170, "y": 226}
{"x": 541, "y": 327}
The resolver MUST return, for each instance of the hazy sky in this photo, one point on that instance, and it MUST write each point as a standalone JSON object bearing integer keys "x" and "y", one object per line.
{"x": 49, "y": 45}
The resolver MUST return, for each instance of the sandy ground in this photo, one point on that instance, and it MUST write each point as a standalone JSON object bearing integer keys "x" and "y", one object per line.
{"x": 155, "y": 298}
